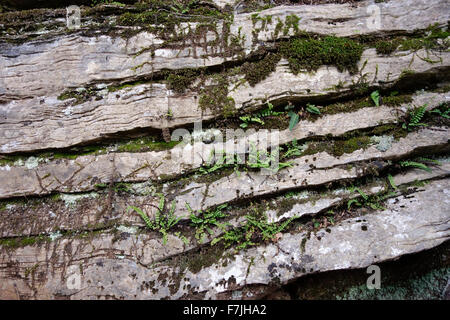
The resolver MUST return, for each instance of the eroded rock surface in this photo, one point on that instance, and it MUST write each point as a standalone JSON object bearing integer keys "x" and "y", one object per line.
{"x": 96, "y": 202}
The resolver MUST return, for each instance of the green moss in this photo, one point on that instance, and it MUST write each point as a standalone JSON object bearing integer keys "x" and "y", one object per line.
{"x": 83, "y": 95}
{"x": 338, "y": 147}
{"x": 205, "y": 258}
{"x": 397, "y": 100}
{"x": 23, "y": 241}
{"x": 179, "y": 80}
{"x": 350, "y": 106}
{"x": 145, "y": 144}
{"x": 394, "y": 130}
{"x": 354, "y": 105}
{"x": 386, "y": 47}
{"x": 215, "y": 97}
{"x": 257, "y": 71}
{"x": 309, "y": 54}
{"x": 351, "y": 145}
{"x": 278, "y": 28}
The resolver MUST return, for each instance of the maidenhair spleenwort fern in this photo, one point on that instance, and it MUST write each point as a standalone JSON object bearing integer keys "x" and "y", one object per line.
{"x": 415, "y": 116}
{"x": 163, "y": 220}
{"x": 391, "y": 182}
{"x": 373, "y": 201}
{"x": 257, "y": 117}
{"x": 204, "y": 220}
{"x": 418, "y": 163}
{"x": 415, "y": 165}
{"x": 443, "y": 110}
{"x": 252, "y": 230}
{"x": 312, "y": 109}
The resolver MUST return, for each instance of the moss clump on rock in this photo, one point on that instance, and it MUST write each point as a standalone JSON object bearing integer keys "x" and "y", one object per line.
{"x": 215, "y": 97}
{"x": 386, "y": 47}
{"x": 258, "y": 71}
{"x": 309, "y": 54}
{"x": 351, "y": 145}
{"x": 180, "y": 80}
{"x": 397, "y": 100}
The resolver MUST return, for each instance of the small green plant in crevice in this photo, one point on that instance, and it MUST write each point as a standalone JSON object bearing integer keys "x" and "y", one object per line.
{"x": 163, "y": 221}
{"x": 254, "y": 231}
{"x": 294, "y": 117}
{"x": 443, "y": 110}
{"x": 267, "y": 230}
{"x": 375, "y": 98}
{"x": 414, "y": 117}
{"x": 312, "y": 108}
{"x": 418, "y": 163}
{"x": 392, "y": 182}
{"x": 293, "y": 149}
{"x": 204, "y": 220}
{"x": 258, "y": 116}
{"x": 222, "y": 161}
{"x": 370, "y": 201}
{"x": 261, "y": 159}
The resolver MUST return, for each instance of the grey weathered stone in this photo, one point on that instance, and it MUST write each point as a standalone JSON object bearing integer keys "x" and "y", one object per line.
{"x": 107, "y": 58}
{"x": 27, "y": 122}
{"x": 67, "y": 230}
{"x": 85, "y": 172}
{"x": 409, "y": 224}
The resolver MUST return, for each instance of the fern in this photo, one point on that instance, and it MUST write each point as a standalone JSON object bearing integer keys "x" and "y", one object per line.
{"x": 163, "y": 221}
{"x": 415, "y": 116}
{"x": 294, "y": 120}
{"x": 376, "y": 98}
{"x": 423, "y": 159}
{"x": 312, "y": 109}
{"x": 244, "y": 235}
{"x": 445, "y": 114}
{"x": 205, "y": 220}
{"x": 256, "y": 117}
{"x": 268, "y": 230}
{"x": 415, "y": 165}
{"x": 293, "y": 150}
{"x": 391, "y": 182}
{"x": 143, "y": 216}
{"x": 353, "y": 201}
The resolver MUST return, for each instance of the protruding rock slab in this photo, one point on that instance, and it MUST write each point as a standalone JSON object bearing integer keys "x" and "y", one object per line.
{"x": 86, "y": 172}
{"x": 46, "y": 122}
{"x": 409, "y": 224}
{"x": 72, "y": 61}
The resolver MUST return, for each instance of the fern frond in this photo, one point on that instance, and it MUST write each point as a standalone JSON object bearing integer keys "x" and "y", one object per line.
{"x": 415, "y": 165}
{"x": 312, "y": 109}
{"x": 423, "y": 159}
{"x": 391, "y": 182}
{"x": 143, "y": 216}
{"x": 417, "y": 115}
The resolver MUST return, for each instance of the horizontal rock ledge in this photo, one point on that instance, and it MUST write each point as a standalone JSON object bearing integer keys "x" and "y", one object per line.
{"x": 313, "y": 170}
{"x": 43, "y": 68}
{"x": 86, "y": 172}
{"x": 102, "y": 211}
{"x": 46, "y": 123}
{"x": 409, "y": 224}
{"x": 306, "y": 171}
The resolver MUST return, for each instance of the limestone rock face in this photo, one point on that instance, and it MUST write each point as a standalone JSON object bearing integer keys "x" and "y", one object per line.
{"x": 325, "y": 145}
